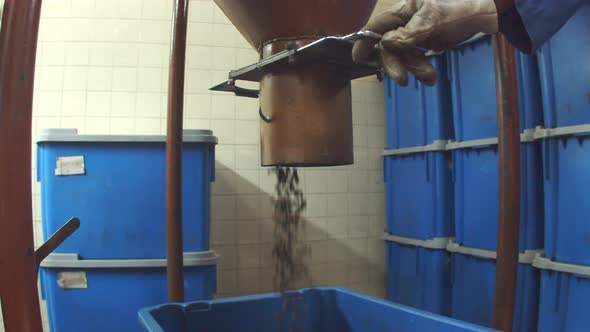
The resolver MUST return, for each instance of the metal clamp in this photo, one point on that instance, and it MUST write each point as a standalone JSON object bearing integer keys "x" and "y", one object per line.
{"x": 526, "y": 257}
{"x": 436, "y": 243}
{"x": 543, "y": 263}
{"x": 73, "y": 261}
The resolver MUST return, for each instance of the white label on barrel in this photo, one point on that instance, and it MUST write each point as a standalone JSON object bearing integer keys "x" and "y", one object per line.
{"x": 70, "y": 166}
{"x": 72, "y": 280}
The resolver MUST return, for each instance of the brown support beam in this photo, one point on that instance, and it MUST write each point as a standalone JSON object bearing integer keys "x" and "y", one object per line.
{"x": 509, "y": 183}
{"x": 18, "y": 276}
{"x": 174, "y": 245}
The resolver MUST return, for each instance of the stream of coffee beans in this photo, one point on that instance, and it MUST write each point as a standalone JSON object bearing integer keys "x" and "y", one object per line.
{"x": 288, "y": 252}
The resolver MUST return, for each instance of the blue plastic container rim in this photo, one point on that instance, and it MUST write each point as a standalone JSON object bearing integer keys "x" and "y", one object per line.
{"x": 527, "y": 136}
{"x": 71, "y": 136}
{"x": 73, "y": 261}
{"x": 436, "y": 243}
{"x": 562, "y": 132}
{"x": 148, "y": 320}
{"x": 526, "y": 257}
{"x": 544, "y": 263}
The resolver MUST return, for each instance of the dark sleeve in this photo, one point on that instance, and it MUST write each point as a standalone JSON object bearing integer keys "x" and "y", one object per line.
{"x": 528, "y": 24}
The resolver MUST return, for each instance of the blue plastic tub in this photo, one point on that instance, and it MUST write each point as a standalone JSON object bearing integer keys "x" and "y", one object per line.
{"x": 98, "y": 295}
{"x": 419, "y": 277}
{"x": 120, "y": 197}
{"x": 419, "y": 195}
{"x": 565, "y": 73}
{"x": 473, "y": 280}
{"x": 310, "y": 310}
{"x": 567, "y": 211}
{"x": 476, "y": 197}
{"x": 474, "y": 91}
{"x": 418, "y": 114}
{"x": 564, "y": 297}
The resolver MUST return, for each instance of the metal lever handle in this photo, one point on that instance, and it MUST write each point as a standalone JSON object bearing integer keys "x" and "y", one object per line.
{"x": 55, "y": 240}
{"x": 366, "y": 34}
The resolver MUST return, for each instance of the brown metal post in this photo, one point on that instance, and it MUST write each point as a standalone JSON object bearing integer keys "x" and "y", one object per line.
{"x": 509, "y": 183}
{"x": 174, "y": 153}
{"x": 18, "y": 269}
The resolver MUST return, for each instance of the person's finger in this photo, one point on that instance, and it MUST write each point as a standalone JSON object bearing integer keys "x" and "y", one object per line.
{"x": 363, "y": 48}
{"x": 394, "y": 67}
{"x": 385, "y": 22}
{"x": 417, "y": 63}
{"x": 416, "y": 32}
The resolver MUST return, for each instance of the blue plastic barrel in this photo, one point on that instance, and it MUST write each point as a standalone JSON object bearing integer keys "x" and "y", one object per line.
{"x": 476, "y": 196}
{"x": 418, "y": 276}
{"x": 308, "y": 310}
{"x": 105, "y": 295}
{"x": 418, "y": 114}
{"x": 117, "y": 190}
{"x": 419, "y": 195}
{"x": 473, "y": 85}
{"x": 474, "y": 279}
{"x": 565, "y": 290}
{"x": 565, "y": 73}
{"x": 567, "y": 211}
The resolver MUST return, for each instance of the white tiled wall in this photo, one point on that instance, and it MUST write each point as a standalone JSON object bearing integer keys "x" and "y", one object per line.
{"x": 102, "y": 68}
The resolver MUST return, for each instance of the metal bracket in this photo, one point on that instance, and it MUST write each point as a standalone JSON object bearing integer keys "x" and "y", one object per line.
{"x": 331, "y": 50}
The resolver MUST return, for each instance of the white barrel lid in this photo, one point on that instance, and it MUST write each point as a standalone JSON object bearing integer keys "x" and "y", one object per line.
{"x": 71, "y": 135}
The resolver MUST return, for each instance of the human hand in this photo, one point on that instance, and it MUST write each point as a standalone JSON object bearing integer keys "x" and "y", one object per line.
{"x": 411, "y": 26}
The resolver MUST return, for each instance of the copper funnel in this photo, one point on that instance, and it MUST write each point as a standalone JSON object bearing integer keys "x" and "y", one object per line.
{"x": 306, "y": 109}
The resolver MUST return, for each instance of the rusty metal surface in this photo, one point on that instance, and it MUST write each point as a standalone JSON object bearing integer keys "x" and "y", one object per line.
{"x": 18, "y": 276}
{"x": 174, "y": 246}
{"x": 509, "y": 183}
{"x": 260, "y": 21}
{"x": 310, "y": 107}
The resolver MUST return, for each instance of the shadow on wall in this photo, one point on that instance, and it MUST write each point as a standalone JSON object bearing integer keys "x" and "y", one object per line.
{"x": 346, "y": 251}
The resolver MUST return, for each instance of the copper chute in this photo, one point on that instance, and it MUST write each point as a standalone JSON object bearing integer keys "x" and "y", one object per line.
{"x": 306, "y": 109}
